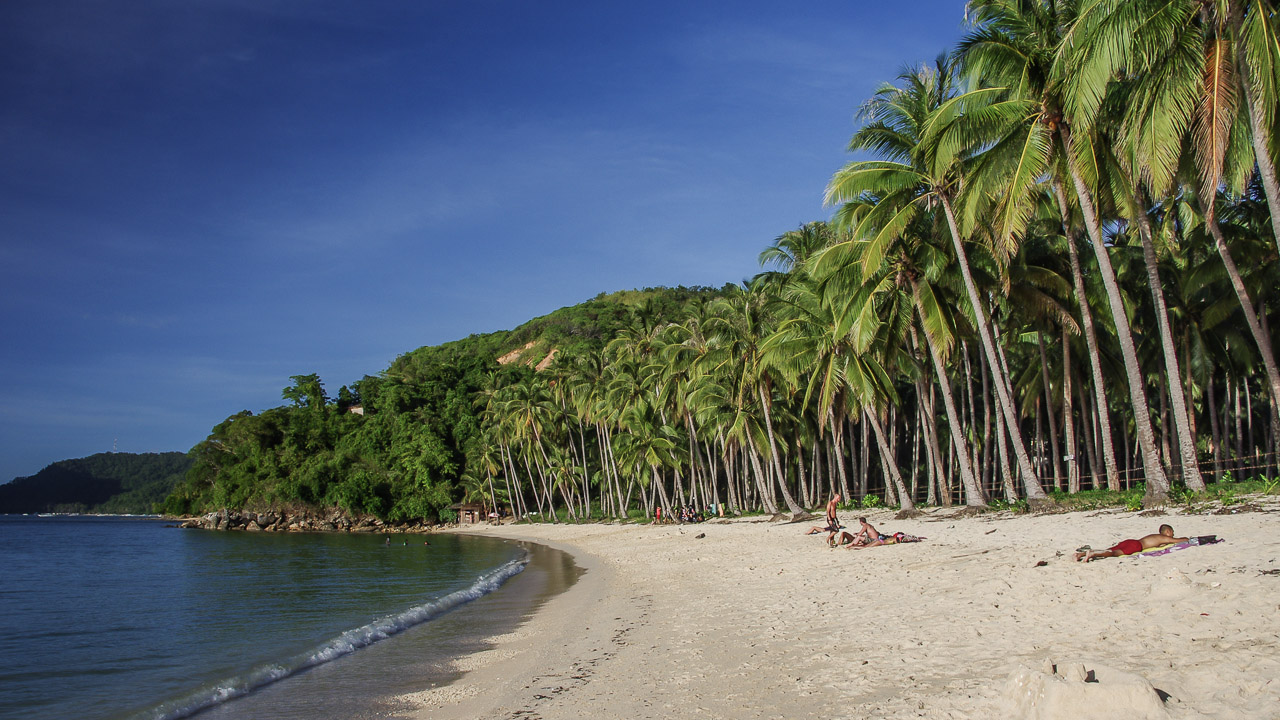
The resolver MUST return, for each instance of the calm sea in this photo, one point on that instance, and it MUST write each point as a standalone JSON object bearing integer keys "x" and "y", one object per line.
{"x": 113, "y": 618}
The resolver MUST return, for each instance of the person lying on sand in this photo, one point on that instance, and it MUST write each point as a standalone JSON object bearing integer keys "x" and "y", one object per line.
{"x": 847, "y": 538}
{"x": 1131, "y": 547}
{"x": 894, "y": 539}
{"x": 833, "y": 522}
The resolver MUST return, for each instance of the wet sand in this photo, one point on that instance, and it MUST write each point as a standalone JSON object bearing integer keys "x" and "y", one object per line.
{"x": 989, "y": 617}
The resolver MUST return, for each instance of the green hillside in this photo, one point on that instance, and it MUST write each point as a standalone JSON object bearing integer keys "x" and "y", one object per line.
{"x": 404, "y": 443}
{"x": 117, "y": 483}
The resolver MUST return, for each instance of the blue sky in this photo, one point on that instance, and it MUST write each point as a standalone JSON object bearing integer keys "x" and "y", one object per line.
{"x": 199, "y": 199}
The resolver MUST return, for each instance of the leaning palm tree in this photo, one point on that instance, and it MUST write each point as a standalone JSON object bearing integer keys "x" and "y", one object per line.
{"x": 1131, "y": 196}
{"x": 916, "y": 174}
{"x": 1012, "y": 49}
{"x": 1201, "y": 62}
{"x": 829, "y": 355}
{"x": 915, "y": 264}
{"x": 1189, "y": 58}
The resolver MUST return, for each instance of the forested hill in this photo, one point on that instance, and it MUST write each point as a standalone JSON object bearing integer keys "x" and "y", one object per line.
{"x": 115, "y": 483}
{"x": 410, "y": 441}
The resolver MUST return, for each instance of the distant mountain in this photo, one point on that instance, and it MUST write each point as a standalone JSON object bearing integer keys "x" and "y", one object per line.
{"x": 115, "y": 483}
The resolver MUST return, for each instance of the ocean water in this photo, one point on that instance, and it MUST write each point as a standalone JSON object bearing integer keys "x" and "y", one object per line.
{"x": 114, "y": 618}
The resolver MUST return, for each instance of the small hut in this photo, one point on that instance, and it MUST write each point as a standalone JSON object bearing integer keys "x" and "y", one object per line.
{"x": 468, "y": 513}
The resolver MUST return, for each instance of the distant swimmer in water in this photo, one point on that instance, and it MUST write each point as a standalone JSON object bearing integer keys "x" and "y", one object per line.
{"x": 388, "y": 541}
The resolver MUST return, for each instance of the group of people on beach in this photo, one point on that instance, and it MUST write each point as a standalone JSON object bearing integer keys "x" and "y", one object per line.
{"x": 868, "y": 536}
{"x": 683, "y": 515}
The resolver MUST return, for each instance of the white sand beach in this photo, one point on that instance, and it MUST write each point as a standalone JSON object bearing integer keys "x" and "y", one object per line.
{"x": 754, "y": 619}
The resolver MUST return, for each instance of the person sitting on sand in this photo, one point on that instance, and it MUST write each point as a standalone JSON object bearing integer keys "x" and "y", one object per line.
{"x": 833, "y": 521}
{"x": 1131, "y": 547}
{"x": 868, "y": 536}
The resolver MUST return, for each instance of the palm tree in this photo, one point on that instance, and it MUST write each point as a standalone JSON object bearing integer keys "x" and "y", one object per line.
{"x": 1011, "y": 49}
{"x": 1197, "y": 59}
{"x": 918, "y": 173}
{"x": 915, "y": 264}
{"x": 1130, "y": 196}
{"x": 1188, "y": 92}
{"x": 830, "y": 355}
{"x": 739, "y": 335}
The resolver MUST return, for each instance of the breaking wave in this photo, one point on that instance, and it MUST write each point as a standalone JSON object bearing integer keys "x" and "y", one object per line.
{"x": 348, "y": 642}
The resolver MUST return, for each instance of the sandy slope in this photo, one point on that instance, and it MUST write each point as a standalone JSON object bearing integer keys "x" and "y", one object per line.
{"x": 758, "y": 620}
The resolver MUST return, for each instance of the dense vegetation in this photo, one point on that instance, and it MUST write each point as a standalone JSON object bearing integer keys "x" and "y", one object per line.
{"x": 404, "y": 455}
{"x": 109, "y": 483}
{"x": 1053, "y": 267}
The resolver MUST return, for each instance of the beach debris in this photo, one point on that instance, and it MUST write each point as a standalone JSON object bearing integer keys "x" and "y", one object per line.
{"x": 1081, "y": 692}
{"x": 1042, "y": 563}
{"x": 699, "y": 536}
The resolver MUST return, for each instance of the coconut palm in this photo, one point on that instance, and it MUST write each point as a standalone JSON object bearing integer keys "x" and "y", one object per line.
{"x": 1198, "y": 61}
{"x": 1188, "y": 56}
{"x": 739, "y": 333}
{"x": 915, "y": 264}
{"x": 1012, "y": 49}
{"x": 831, "y": 356}
{"x": 919, "y": 172}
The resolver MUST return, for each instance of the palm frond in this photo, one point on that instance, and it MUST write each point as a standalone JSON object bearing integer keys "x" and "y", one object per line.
{"x": 1216, "y": 113}
{"x": 870, "y": 176}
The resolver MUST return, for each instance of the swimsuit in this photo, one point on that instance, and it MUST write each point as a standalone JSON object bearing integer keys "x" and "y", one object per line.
{"x": 1128, "y": 547}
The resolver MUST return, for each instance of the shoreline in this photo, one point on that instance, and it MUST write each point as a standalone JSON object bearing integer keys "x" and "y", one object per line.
{"x": 521, "y": 665}
{"x": 757, "y": 620}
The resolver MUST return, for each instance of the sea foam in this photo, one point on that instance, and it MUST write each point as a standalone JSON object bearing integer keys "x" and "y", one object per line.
{"x": 348, "y": 642}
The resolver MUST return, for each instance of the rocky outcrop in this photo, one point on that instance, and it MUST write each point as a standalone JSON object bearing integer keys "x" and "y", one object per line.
{"x": 297, "y": 521}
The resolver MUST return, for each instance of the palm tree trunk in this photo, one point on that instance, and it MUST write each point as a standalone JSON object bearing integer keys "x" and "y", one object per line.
{"x": 1157, "y": 492}
{"x": 1055, "y": 452}
{"x": 864, "y": 476}
{"x": 989, "y": 471}
{"x": 1239, "y": 425}
{"x": 1068, "y": 418}
{"x": 975, "y": 459}
{"x": 1214, "y": 427}
{"x": 765, "y": 498}
{"x": 888, "y": 462}
{"x": 668, "y": 510}
{"x": 1006, "y": 471}
{"x": 1005, "y": 401}
{"x": 837, "y": 437}
{"x": 1181, "y": 420}
{"x": 916, "y": 451}
{"x": 945, "y": 467}
{"x": 1105, "y": 439}
{"x": 803, "y": 479}
{"x": 1250, "y": 313}
{"x": 586, "y": 477}
{"x": 1090, "y": 422}
{"x": 777, "y": 461}
{"x": 973, "y": 496}
{"x": 517, "y": 502}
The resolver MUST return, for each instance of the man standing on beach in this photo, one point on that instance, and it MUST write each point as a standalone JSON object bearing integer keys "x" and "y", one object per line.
{"x": 833, "y": 521}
